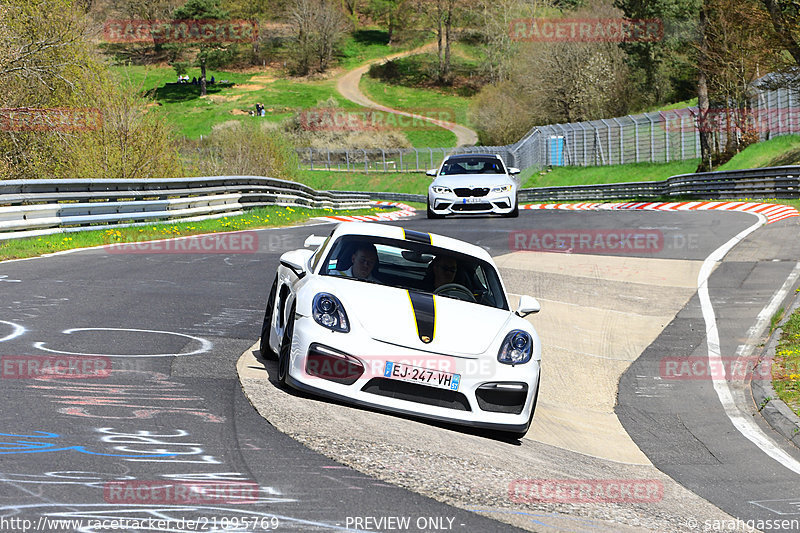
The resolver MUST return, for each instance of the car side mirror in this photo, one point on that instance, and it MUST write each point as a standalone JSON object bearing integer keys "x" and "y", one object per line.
{"x": 431, "y": 172}
{"x": 528, "y": 305}
{"x": 313, "y": 241}
{"x": 295, "y": 261}
{"x": 513, "y": 170}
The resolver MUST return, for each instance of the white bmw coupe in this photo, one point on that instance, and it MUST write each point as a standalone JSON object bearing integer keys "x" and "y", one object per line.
{"x": 473, "y": 184}
{"x": 403, "y": 321}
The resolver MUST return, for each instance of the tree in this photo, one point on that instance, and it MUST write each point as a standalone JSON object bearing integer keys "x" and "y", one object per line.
{"x": 319, "y": 28}
{"x": 785, "y": 17}
{"x": 667, "y": 64}
{"x": 209, "y": 53}
{"x": 392, "y": 13}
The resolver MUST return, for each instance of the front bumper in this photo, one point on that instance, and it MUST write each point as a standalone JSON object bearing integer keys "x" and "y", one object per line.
{"x": 489, "y": 394}
{"x": 500, "y": 203}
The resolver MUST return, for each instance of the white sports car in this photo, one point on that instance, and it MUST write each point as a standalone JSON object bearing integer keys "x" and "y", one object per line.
{"x": 404, "y": 321}
{"x": 473, "y": 183}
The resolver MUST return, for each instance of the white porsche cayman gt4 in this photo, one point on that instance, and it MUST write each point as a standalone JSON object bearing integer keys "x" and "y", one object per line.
{"x": 403, "y": 321}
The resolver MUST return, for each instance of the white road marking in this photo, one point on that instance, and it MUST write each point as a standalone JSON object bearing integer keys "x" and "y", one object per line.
{"x": 205, "y": 345}
{"x": 744, "y": 424}
{"x": 17, "y": 330}
{"x": 4, "y": 278}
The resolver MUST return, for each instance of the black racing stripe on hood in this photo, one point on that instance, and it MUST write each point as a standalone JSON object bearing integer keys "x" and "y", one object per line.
{"x": 417, "y": 236}
{"x": 424, "y": 314}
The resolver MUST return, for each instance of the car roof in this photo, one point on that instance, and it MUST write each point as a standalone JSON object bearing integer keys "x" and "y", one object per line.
{"x": 399, "y": 233}
{"x": 467, "y": 156}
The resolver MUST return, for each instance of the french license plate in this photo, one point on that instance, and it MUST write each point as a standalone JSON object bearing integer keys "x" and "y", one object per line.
{"x": 473, "y": 200}
{"x": 424, "y": 376}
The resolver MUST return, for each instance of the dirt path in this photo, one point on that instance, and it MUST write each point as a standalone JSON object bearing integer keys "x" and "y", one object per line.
{"x": 348, "y": 88}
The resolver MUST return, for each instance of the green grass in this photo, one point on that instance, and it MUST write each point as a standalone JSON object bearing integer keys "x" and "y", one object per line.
{"x": 669, "y": 107}
{"x": 366, "y": 44}
{"x": 262, "y": 217}
{"x": 419, "y": 100}
{"x": 408, "y": 182}
{"x": 779, "y": 151}
{"x": 786, "y": 367}
{"x": 607, "y": 174}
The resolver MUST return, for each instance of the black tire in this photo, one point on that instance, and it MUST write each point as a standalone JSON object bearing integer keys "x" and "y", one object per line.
{"x": 517, "y": 435}
{"x": 286, "y": 349}
{"x": 263, "y": 345}
{"x": 431, "y": 214}
{"x": 515, "y": 212}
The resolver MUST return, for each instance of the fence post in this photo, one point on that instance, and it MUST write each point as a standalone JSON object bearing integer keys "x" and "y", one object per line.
{"x": 652, "y": 138}
{"x": 366, "y": 168}
{"x": 621, "y": 143}
{"x": 329, "y": 158}
{"x": 666, "y": 136}
{"x": 400, "y": 151}
{"x": 608, "y": 141}
{"x": 417, "y": 152}
{"x": 431, "y": 149}
{"x": 683, "y": 148}
{"x": 311, "y": 157}
{"x": 383, "y": 156}
{"x": 347, "y": 158}
{"x": 635, "y": 135}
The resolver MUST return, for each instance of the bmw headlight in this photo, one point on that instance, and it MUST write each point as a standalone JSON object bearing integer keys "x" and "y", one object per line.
{"x": 329, "y": 312}
{"x": 517, "y": 348}
{"x": 502, "y": 188}
{"x": 441, "y": 190}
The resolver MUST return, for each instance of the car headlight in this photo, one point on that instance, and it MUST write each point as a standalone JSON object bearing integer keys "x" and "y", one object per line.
{"x": 329, "y": 312}
{"x": 502, "y": 188}
{"x": 441, "y": 190}
{"x": 516, "y": 349}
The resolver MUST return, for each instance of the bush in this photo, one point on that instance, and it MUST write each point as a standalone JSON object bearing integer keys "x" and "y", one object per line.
{"x": 248, "y": 148}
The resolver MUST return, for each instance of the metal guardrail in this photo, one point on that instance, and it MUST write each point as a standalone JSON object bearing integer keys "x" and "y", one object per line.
{"x": 772, "y": 182}
{"x": 30, "y": 208}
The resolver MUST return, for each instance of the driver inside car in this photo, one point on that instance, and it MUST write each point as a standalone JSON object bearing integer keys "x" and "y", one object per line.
{"x": 441, "y": 271}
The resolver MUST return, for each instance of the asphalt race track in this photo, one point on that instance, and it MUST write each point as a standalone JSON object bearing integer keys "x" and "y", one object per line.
{"x": 163, "y": 332}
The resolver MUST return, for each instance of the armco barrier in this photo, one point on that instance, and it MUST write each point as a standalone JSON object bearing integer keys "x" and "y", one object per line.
{"x": 772, "y": 182}
{"x": 29, "y": 208}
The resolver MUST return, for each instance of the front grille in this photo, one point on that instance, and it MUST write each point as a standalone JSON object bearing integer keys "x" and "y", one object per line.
{"x": 499, "y": 400}
{"x": 463, "y": 192}
{"x": 412, "y": 392}
{"x": 472, "y": 207}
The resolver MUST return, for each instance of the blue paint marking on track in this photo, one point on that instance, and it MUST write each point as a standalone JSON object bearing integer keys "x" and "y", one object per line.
{"x": 24, "y": 446}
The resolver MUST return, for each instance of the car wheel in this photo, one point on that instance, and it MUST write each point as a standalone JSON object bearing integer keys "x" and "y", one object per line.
{"x": 431, "y": 214}
{"x": 517, "y": 435}
{"x": 263, "y": 345}
{"x": 515, "y": 212}
{"x": 286, "y": 348}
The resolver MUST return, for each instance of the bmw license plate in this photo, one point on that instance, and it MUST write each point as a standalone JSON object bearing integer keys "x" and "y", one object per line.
{"x": 473, "y": 200}
{"x": 424, "y": 376}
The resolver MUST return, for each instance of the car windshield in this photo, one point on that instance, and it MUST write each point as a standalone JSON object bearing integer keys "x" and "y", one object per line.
{"x": 415, "y": 266}
{"x": 472, "y": 165}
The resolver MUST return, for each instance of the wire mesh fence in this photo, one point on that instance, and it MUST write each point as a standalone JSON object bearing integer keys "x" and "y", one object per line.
{"x": 654, "y": 137}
